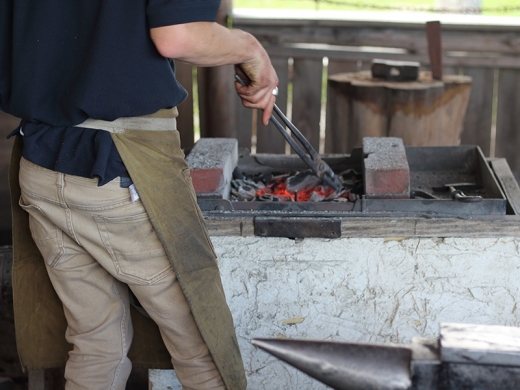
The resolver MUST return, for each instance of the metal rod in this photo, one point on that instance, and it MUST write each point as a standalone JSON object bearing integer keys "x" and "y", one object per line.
{"x": 295, "y": 146}
{"x": 306, "y": 144}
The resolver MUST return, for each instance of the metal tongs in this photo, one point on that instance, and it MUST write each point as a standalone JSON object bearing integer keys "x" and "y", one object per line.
{"x": 312, "y": 159}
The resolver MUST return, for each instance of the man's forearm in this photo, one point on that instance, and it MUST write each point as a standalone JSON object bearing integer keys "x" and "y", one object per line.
{"x": 210, "y": 44}
{"x": 206, "y": 44}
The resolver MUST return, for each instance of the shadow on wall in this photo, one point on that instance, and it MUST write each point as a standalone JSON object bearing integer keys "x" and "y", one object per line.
{"x": 7, "y": 124}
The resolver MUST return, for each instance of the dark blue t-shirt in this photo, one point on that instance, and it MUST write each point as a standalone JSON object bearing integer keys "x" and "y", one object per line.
{"x": 62, "y": 62}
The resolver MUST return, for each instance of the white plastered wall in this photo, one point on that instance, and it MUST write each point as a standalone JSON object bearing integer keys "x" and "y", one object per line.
{"x": 361, "y": 290}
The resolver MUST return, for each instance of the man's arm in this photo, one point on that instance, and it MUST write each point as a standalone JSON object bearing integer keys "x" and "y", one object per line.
{"x": 210, "y": 44}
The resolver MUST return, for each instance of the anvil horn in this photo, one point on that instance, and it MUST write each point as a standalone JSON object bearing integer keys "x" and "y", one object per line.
{"x": 345, "y": 366}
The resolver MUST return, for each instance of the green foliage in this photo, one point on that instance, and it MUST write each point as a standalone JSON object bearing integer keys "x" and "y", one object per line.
{"x": 337, "y": 4}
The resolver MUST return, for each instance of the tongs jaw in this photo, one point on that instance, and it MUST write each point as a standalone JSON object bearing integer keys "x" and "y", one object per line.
{"x": 312, "y": 159}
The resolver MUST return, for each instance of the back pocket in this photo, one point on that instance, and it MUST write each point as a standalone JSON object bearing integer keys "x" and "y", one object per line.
{"x": 135, "y": 249}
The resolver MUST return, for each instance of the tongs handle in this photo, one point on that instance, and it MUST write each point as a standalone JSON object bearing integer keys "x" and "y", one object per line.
{"x": 306, "y": 144}
{"x": 310, "y": 161}
{"x": 314, "y": 162}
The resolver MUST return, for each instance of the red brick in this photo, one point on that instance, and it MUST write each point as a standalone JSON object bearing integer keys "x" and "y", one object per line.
{"x": 211, "y": 162}
{"x": 385, "y": 168}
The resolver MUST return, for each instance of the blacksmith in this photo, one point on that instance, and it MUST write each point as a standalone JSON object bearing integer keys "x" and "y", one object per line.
{"x": 99, "y": 178}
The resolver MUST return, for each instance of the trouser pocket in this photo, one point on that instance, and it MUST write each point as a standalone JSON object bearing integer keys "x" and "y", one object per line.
{"x": 134, "y": 247}
{"x": 47, "y": 236}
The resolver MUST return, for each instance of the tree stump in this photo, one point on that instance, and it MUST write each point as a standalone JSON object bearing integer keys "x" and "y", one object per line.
{"x": 424, "y": 112}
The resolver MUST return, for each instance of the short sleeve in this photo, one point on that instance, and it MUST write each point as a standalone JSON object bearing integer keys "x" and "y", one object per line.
{"x": 168, "y": 12}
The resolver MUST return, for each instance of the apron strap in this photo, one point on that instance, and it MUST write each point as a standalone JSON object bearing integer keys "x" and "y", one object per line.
{"x": 162, "y": 120}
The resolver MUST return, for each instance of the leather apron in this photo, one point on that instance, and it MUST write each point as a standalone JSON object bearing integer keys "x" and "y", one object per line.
{"x": 161, "y": 176}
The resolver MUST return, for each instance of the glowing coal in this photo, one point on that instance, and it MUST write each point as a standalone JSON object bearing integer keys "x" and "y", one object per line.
{"x": 302, "y": 186}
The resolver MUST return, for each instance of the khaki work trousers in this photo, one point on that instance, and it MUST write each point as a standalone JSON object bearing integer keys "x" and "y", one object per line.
{"x": 96, "y": 244}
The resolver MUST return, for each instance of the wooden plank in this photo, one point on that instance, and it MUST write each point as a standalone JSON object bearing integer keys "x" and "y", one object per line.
{"x": 217, "y": 92}
{"x": 217, "y": 98}
{"x": 508, "y": 183}
{"x": 470, "y": 59}
{"x": 479, "y": 115}
{"x": 508, "y": 120}
{"x": 244, "y": 123}
{"x": 378, "y": 228}
{"x": 370, "y": 18}
{"x": 269, "y": 139}
{"x": 218, "y": 226}
{"x": 498, "y": 40}
{"x": 307, "y": 88}
{"x": 335, "y": 121}
{"x": 478, "y": 227}
{"x": 183, "y": 73}
{"x": 388, "y": 226}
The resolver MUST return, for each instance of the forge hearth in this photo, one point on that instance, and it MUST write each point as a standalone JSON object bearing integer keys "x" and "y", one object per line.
{"x": 387, "y": 276}
{"x": 415, "y": 180}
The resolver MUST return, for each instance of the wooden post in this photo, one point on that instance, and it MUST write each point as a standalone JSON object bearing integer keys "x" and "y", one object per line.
{"x": 433, "y": 34}
{"x": 217, "y": 96}
{"x": 425, "y": 112}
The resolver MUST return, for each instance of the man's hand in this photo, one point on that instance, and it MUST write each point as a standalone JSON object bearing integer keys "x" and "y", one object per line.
{"x": 257, "y": 94}
{"x": 210, "y": 44}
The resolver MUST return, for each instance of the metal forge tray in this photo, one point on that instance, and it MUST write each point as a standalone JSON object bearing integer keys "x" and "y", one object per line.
{"x": 429, "y": 167}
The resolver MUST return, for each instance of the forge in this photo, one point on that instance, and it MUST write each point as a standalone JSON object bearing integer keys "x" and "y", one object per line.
{"x": 379, "y": 269}
{"x": 381, "y": 180}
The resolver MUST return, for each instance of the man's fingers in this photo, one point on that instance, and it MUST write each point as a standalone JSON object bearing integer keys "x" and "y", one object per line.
{"x": 268, "y": 111}
{"x": 257, "y": 99}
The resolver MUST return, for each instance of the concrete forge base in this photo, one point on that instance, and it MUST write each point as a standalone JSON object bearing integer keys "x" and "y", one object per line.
{"x": 361, "y": 290}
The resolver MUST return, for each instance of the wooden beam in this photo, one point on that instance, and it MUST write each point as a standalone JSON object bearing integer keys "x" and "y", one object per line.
{"x": 268, "y": 138}
{"x": 389, "y": 226}
{"x": 217, "y": 100}
{"x": 307, "y": 87}
{"x": 509, "y": 185}
{"x": 478, "y": 122}
{"x": 508, "y": 120}
{"x": 470, "y": 59}
{"x": 410, "y": 38}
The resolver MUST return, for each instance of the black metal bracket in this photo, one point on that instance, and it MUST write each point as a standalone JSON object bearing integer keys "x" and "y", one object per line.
{"x": 297, "y": 227}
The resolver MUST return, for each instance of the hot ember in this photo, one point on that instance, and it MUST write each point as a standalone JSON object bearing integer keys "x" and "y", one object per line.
{"x": 301, "y": 186}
